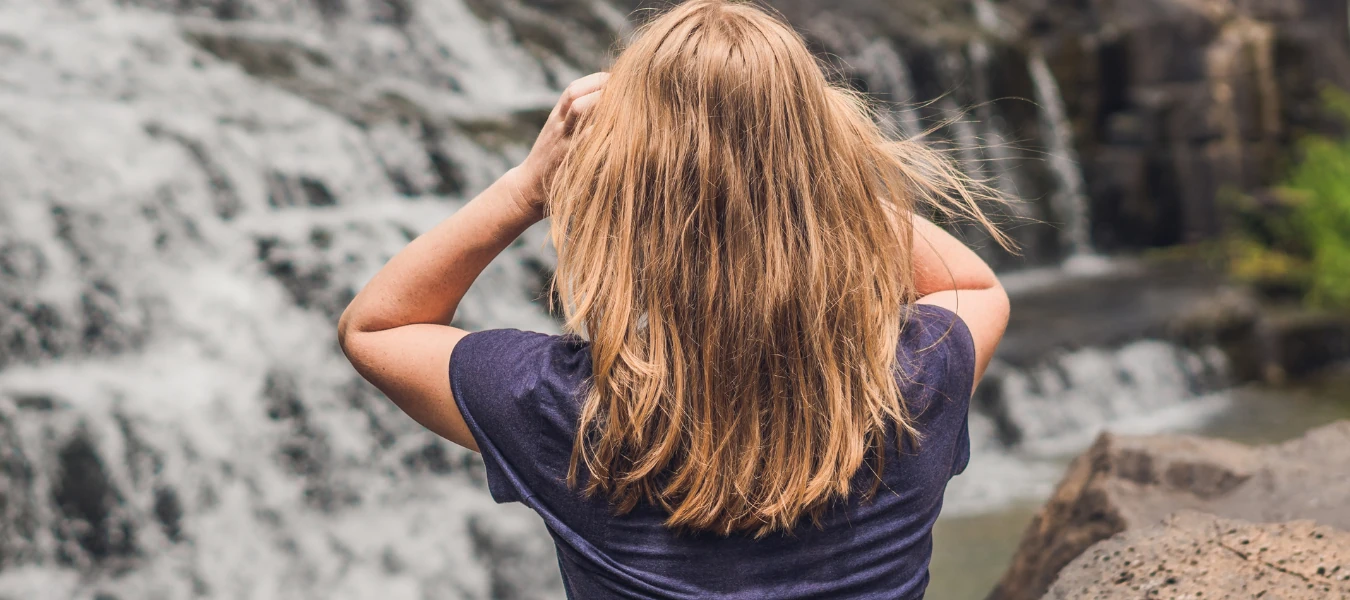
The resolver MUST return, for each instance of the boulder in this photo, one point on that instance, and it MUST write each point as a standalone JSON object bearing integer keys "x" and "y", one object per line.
{"x": 1128, "y": 483}
{"x": 1195, "y": 555}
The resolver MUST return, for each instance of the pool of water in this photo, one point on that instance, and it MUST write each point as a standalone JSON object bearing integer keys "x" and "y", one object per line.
{"x": 971, "y": 551}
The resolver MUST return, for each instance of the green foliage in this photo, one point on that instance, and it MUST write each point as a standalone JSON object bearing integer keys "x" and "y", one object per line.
{"x": 1324, "y": 216}
{"x": 1302, "y": 236}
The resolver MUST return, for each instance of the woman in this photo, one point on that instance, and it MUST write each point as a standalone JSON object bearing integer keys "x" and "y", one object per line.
{"x": 765, "y": 388}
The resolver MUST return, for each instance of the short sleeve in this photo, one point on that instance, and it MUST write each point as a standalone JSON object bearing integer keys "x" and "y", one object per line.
{"x": 494, "y": 375}
{"x": 961, "y": 457}
{"x": 950, "y": 349}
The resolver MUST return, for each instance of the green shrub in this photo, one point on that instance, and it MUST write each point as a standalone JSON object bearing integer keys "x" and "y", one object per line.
{"x": 1301, "y": 234}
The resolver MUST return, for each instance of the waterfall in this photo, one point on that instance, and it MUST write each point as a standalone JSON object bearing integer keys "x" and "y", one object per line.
{"x": 1069, "y": 202}
{"x": 994, "y": 133}
{"x": 964, "y": 134}
{"x": 875, "y": 57}
{"x": 1024, "y": 420}
{"x": 187, "y": 204}
{"x": 892, "y": 78}
{"x": 987, "y": 17}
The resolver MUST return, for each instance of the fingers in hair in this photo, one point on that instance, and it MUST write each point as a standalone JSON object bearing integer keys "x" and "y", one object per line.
{"x": 581, "y": 88}
{"x": 581, "y": 107}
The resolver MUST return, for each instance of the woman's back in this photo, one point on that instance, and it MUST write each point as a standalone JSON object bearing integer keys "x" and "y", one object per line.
{"x": 779, "y": 349}
{"x": 521, "y": 394}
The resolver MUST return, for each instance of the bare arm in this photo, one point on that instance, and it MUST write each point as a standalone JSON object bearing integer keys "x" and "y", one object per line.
{"x": 396, "y": 332}
{"x": 951, "y": 275}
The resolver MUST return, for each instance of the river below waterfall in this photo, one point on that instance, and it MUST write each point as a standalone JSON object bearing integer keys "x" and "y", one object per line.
{"x": 971, "y": 551}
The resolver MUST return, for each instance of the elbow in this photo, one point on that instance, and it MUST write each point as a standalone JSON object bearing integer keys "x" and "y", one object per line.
{"x": 1002, "y": 304}
{"x": 346, "y": 330}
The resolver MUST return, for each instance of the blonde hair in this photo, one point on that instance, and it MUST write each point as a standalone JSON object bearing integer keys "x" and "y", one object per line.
{"x": 732, "y": 236}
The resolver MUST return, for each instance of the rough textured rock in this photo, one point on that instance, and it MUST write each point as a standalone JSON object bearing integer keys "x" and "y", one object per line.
{"x": 1194, "y": 555}
{"x": 1174, "y": 101}
{"x": 1128, "y": 483}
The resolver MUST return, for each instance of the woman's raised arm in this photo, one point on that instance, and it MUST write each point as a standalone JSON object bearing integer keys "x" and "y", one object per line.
{"x": 396, "y": 333}
{"x": 951, "y": 275}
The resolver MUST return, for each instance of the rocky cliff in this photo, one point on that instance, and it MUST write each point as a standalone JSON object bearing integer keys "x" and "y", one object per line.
{"x": 1174, "y": 101}
{"x": 1169, "y": 102}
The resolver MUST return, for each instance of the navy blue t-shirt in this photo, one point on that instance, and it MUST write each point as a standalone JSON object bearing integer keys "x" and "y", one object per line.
{"x": 521, "y": 395}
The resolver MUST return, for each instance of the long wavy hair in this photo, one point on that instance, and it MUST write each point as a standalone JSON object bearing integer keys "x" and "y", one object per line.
{"x": 733, "y": 237}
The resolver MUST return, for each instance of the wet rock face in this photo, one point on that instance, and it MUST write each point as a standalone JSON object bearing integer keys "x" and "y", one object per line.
{"x": 1124, "y": 484}
{"x": 1173, "y": 101}
{"x": 86, "y": 498}
{"x": 1194, "y": 555}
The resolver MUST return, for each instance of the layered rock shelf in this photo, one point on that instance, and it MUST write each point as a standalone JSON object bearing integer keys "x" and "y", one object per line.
{"x": 1123, "y": 486}
{"x": 1195, "y": 555}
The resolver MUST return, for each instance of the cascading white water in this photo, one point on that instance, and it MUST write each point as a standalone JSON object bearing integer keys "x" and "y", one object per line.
{"x": 881, "y": 59}
{"x": 1026, "y": 420}
{"x": 988, "y": 18}
{"x": 994, "y": 130}
{"x": 185, "y": 205}
{"x": 1064, "y": 403}
{"x": 966, "y": 138}
{"x": 1070, "y": 200}
{"x": 887, "y": 74}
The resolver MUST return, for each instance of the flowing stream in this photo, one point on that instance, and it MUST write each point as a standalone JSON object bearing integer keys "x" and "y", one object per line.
{"x": 1026, "y": 419}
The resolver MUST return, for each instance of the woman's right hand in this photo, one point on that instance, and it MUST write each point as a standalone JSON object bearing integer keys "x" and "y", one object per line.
{"x": 549, "y": 149}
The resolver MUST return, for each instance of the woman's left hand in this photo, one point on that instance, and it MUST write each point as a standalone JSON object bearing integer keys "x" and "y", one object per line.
{"x": 536, "y": 173}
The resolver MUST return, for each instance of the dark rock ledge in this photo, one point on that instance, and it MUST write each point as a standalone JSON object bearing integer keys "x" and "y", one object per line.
{"x": 1183, "y": 301}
